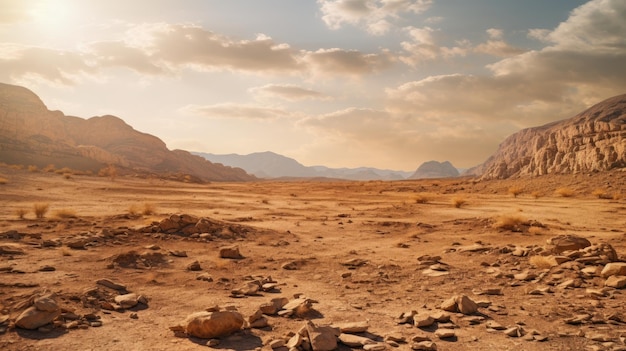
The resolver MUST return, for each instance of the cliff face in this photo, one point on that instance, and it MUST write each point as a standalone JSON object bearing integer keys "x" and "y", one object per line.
{"x": 594, "y": 140}
{"x": 434, "y": 169}
{"x": 31, "y": 134}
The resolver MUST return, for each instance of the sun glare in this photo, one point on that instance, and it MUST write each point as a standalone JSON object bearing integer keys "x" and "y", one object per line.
{"x": 53, "y": 15}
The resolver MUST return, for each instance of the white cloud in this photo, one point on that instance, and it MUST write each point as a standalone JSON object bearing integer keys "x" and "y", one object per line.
{"x": 424, "y": 45}
{"x": 287, "y": 92}
{"x": 236, "y": 111}
{"x": 346, "y": 62}
{"x": 496, "y": 46}
{"x": 374, "y": 15}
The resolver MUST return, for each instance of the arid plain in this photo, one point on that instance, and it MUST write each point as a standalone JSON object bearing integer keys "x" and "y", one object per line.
{"x": 360, "y": 251}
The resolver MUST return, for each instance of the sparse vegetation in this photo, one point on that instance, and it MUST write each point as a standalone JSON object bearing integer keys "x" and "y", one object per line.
{"x": 67, "y": 175}
{"x": 33, "y": 168}
{"x": 564, "y": 192}
{"x": 603, "y": 194}
{"x": 515, "y": 190}
{"x": 41, "y": 209}
{"x": 421, "y": 199}
{"x": 109, "y": 171}
{"x": 148, "y": 209}
{"x": 265, "y": 201}
{"x": 509, "y": 222}
{"x": 49, "y": 168}
{"x": 21, "y": 212}
{"x": 536, "y": 194}
{"x": 65, "y": 213}
{"x": 3, "y": 180}
{"x": 542, "y": 262}
{"x": 458, "y": 201}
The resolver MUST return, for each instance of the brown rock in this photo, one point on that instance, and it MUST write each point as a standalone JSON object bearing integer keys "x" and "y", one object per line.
{"x": 354, "y": 340}
{"x": 322, "y": 338}
{"x": 613, "y": 268}
{"x": 275, "y": 305}
{"x": 231, "y": 252}
{"x": 32, "y": 318}
{"x": 353, "y": 327}
{"x": 207, "y": 325}
{"x": 616, "y": 281}
{"x": 466, "y": 305}
{"x": 563, "y": 243}
{"x": 126, "y": 300}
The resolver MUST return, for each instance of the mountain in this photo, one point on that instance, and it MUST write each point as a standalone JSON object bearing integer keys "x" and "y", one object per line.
{"x": 434, "y": 169}
{"x": 594, "y": 140}
{"x": 271, "y": 165}
{"x": 30, "y": 134}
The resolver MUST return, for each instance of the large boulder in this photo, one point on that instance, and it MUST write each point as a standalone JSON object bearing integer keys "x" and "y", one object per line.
{"x": 613, "y": 268}
{"x": 568, "y": 242}
{"x": 208, "y": 325}
{"x": 322, "y": 338}
{"x": 43, "y": 311}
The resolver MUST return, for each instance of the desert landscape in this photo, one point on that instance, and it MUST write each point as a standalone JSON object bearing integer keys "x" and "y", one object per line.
{"x": 379, "y": 259}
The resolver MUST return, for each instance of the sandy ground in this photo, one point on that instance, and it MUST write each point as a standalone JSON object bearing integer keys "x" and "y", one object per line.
{"x": 318, "y": 226}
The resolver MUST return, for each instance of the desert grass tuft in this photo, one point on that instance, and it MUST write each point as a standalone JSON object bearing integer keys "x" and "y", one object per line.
{"x": 148, "y": 209}
{"x": 515, "y": 190}
{"x": 509, "y": 222}
{"x": 65, "y": 213}
{"x": 564, "y": 192}
{"x": 458, "y": 201}
{"x": 66, "y": 252}
{"x": 33, "y": 168}
{"x": 133, "y": 210}
{"x": 21, "y": 212}
{"x": 41, "y": 209}
{"x": 536, "y": 194}
{"x": 421, "y": 199}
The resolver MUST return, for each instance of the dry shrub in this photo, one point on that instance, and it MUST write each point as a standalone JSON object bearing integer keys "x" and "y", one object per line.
{"x": 617, "y": 196}
{"x": 33, "y": 168}
{"x": 66, "y": 252}
{"x": 109, "y": 171}
{"x": 515, "y": 190}
{"x": 3, "y": 180}
{"x": 564, "y": 192}
{"x": 67, "y": 175}
{"x": 133, "y": 210}
{"x": 458, "y": 201}
{"x": 40, "y": 209}
{"x": 21, "y": 212}
{"x": 536, "y": 230}
{"x": 536, "y": 194}
{"x": 265, "y": 201}
{"x": 421, "y": 199}
{"x": 148, "y": 209}
{"x": 49, "y": 168}
{"x": 602, "y": 194}
{"x": 65, "y": 213}
{"x": 17, "y": 167}
{"x": 509, "y": 222}
{"x": 542, "y": 262}
{"x": 64, "y": 170}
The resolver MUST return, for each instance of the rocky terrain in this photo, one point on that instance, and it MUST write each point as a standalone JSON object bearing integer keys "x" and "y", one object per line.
{"x": 594, "y": 140}
{"x": 434, "y": 169}
{"x": 458, "y": 264}
{"x": 30, "y": 134}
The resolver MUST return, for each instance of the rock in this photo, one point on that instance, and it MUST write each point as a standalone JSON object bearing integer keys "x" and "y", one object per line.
{"x": 299, "y": 306}
{"x": 204, "y": 277}
{"x": 126, "y": 301}
{"x": 354, "y": 340}
{"x": 194, "y": 266}
{"x": 494, "y": 325}
{"x": 32, "y": 318}
{"x": 514, "y": 332}
{"x": 77, "y": 244}
{"x": 46, "y": 303}
{"x": 275, "y": 305}
{"x": 274, "y": 344}
{"x": 488, "y": 291}
{"x": 47, "y": 268}
{"x": 449, "y": 305}
{"x": 613, "y": 268}
{"x": 353, "y": 327}
{"x": 354, "y": 262}
{"x": 568, "y": 242}
{"x": 424, "y": 346}
{"x": 208, "y": 325}
{"x": 177, "y": 253}
{"x": 322, "y": 338}
{"x": 110, "y": 284}
{"x": 466, "y": 305}
{"x": 616, "y": 281}
{"x": 423, "y": 320}
{"x": 295, "y": 341}
{"x": 231, "y": 252}
{"x": 444, "y": 333}
{"x": 376, "y": 346}
{"x": 440, "y": 316}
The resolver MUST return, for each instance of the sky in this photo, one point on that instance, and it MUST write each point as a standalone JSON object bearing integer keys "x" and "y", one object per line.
{"x": 341, "y": 83}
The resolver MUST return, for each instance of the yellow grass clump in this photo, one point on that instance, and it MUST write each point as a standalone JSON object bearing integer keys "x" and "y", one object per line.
{"x": 459, "y": 201}
{"x": 509, "y": 222}
{"x": 564, "y": 192}
{"x": 422, "y": 199}
{"x": 148, "y": 209}
{"x": 536, "y": 194}
{"x": 21, "y": 212}
{"x": 33, "y": 168}
{"x": 65, "y": 213}
{"x": 49, "y": 168}
{"x": 542, "y": 262}
{"x": 41, "y": 209}
{"x": 515, "y": 190}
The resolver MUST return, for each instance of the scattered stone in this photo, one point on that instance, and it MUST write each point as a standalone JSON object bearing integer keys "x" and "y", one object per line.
{"x": 322, "y": 338}
{"x": 208, "y": 325}
{"x": 194, "y": 266}
{"x": 443, "y": 333}
{"x": 354, "y": 262}
{"x": 613, "y": 268}
{"x": 110, "y": 284}
{"x": 568, "y": 242}
{"x": 376, "y": 346}
{"x": 231, "y": 252}
{"x": 153, "y": 247}
{"x": 423, "y": 320}
{"x": 578, "y": 319}
{"x": 352, "y": 327}
{"x": 295, "y": 341}
{"x": 441, "y": 316}
{"x": 449, "y": 305}
{"x": 494, "y": 325}
{"x": 298, "y": 307}
{"x": 275, "y": 305}
{"x": 177, "y": 253}
{"x": 488, "y": 291}
{"x": 126, "y": 301}
{"x": 466, "y": 305}
{"x": 134, "y": 315}
{"x": 424, "y": 346}
{"x": 204, "y": 277}
{"x": 616, "y": 281}
{"x": 47, "y": 268}
{"x": 515, "y": 332}
{"x": 276, "y": 343}
{"x": 354, "y": 340}
{"x": 43, "y": 311}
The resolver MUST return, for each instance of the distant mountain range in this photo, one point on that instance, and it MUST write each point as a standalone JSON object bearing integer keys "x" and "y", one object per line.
{"x": 271, "y": 165}
{"x": 30, "y": 134}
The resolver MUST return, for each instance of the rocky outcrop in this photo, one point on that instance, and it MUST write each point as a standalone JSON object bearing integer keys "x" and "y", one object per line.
{"x": 434, "y": 169}
{"x": 594, "y": 140}
{"x": 31, "y": 134}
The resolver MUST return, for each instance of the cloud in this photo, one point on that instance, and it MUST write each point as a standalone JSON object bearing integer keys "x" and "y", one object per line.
{"x": 236, "y": 111}
{"x": 346, "y": 62}
{"x": 583, "y": 65}
{"x": 374, "y": 15}
{"x": 119, "y": 54}
{"x": 424, "y": 45}
{"x": 57, "y": 66}
{"x": 287, "y": 92}
{"x": 496, "y": 46}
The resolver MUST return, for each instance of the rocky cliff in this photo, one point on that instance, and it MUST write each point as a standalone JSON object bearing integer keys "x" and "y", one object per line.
{"x": 434, "y": 169}
{"x": 594, "y": 140}
{"x": 30, "y": 134}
